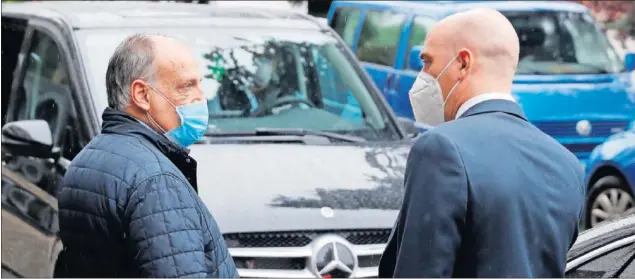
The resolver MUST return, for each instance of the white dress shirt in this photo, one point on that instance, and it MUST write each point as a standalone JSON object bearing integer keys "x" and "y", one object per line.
{"x": 482, "y": 98}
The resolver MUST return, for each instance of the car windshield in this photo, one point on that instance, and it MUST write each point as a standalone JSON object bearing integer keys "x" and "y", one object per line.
{"x": 255, "y": 79}
{"x": 562, "y": 43}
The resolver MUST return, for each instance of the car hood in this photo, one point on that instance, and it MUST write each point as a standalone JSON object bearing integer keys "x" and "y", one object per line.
{"x": 574, "y": 97}
{"x": 285, "y": 187}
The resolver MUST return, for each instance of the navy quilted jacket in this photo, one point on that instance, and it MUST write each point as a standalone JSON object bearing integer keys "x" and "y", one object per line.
{"x": 128, "y": 207}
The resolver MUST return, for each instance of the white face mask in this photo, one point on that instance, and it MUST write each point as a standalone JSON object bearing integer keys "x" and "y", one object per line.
{"x": 426, "y": 97}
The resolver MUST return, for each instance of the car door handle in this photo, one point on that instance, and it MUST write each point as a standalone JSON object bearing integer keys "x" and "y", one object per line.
{"x": 391, "y": 82}
{"x": 389, "y": 79}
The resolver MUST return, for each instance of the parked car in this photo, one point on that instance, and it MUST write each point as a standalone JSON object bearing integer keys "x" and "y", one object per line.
{"x": 570, "y": 82}
{"x": 30, "y": 244}
{"x": 606, "y": 251}
{"x": 610, "y": 176}
{"x": 318, "y": 166}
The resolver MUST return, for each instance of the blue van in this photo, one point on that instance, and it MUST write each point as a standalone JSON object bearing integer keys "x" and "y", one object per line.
{"x": 570, "y": 81}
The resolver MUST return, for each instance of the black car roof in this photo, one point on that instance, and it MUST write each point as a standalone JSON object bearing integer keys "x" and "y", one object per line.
{"x": 122, "y": 14}
{"x": 602, "y": 235}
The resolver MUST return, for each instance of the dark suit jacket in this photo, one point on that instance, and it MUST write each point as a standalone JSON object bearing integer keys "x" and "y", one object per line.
{"x": 487, "y": 195}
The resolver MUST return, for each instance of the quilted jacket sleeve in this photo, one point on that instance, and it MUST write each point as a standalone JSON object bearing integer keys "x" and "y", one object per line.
{"x": 165, "y": 229}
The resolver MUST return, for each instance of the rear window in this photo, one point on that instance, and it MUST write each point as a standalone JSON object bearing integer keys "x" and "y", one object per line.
{"x": 562, "y": 43}
{"x": 379, "y": 37}
{"x": 344, "y": 22}
{"x": 421, "y": 25}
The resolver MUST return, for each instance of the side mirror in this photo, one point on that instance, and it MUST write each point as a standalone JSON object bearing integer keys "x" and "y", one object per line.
{"x": 629, "y": 61}
{"x": 30, "y": 138}
{"x": 414, "y": 62}
{"x": 409, "y": 126}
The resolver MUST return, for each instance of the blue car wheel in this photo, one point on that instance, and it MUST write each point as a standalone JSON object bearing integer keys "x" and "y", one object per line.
{"x": 610, "y": 198}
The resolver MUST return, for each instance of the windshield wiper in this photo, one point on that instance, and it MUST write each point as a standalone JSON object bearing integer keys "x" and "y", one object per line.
{"x": 283, "y": 135}
{"x": 305, "y": 132}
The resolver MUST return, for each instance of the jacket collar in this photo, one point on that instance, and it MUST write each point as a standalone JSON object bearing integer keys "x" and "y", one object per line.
{"x": 118, "y": 122}
{"x": 496, "y": 105}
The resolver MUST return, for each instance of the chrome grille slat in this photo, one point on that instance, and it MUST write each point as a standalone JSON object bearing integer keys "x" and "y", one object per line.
{"x": 600, "y": 128}
{"x": 303, "y": 238}
{"x": 278, "y": 252}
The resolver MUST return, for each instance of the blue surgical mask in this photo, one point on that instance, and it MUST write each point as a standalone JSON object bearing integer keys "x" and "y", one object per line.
{"x": 194, "y": 119}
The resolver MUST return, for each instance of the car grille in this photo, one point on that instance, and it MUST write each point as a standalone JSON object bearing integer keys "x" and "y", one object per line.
{"x": 599, "y": 128}
{"x": 287, "y": 254}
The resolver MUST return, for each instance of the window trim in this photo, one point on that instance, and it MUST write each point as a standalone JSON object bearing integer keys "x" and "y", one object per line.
{"x": 20, "y": 70}
{"x": 594, "y": 254}
{"x": 17, "y": 68}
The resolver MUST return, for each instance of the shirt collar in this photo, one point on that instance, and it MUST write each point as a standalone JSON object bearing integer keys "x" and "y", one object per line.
{"x": 482, "y": 98}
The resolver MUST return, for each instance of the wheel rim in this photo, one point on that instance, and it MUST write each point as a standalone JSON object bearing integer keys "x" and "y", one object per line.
{"x": 611, "y": 204}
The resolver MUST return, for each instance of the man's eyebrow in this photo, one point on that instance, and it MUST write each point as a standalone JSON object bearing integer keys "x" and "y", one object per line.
{"x": 191, "y": 80}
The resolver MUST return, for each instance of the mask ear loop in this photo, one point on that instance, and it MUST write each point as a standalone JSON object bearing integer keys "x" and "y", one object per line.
{"x": 453, "y": 87}
{"x": 149, "y": 117}
{"x": 161, "y": 94}
{"x": 446, "y": 67}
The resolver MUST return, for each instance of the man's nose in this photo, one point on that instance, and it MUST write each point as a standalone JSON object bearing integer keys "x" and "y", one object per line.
{"x": 199, "y": 95}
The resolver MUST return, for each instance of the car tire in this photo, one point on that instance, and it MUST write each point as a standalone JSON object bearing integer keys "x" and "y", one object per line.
{"x": 608, "y": 196}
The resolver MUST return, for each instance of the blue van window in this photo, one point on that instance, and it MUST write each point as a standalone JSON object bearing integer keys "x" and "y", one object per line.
{"x": 379, "y": 37}
{"x": 562, "y": 43}
{"x": 345, "y": 22}
{"x": 418, "y": 32}
{"x": 336, "y": 96}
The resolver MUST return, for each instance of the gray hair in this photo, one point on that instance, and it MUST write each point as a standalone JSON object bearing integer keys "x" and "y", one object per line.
{"x": 133, "y": 59}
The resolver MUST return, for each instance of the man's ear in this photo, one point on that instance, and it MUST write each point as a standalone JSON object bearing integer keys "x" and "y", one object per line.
{"x": 140, "y": 95}
{"x": 467, "y": 60}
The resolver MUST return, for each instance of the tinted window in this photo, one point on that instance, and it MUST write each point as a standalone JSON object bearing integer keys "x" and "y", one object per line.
{"x": 562, "y": 43}
{"x": 45, "y": 91}
{"x": 418, "y": 32}
{"x": 28, "y": 207}
{"x": 13, "y": 30}
{"x": 597, "y": 267}
{"x": 379, "y": 37}
{"x": 344, "y": 22}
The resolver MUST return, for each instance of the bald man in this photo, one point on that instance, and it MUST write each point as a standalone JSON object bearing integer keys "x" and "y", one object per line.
{"x": 487, "y": 193}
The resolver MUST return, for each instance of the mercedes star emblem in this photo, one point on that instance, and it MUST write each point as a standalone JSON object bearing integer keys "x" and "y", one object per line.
{"x": 333, "y": 257}
{"x": 327, "y": 212}
{"x": 583, "y": 127}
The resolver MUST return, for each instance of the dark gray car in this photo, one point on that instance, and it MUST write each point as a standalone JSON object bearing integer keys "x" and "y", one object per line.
{"x": 606, "y": 251}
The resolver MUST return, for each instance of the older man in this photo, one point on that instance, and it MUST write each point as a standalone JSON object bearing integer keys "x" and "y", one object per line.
{"x": 487, "y": 194}
{"x": 128, "y": 204}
